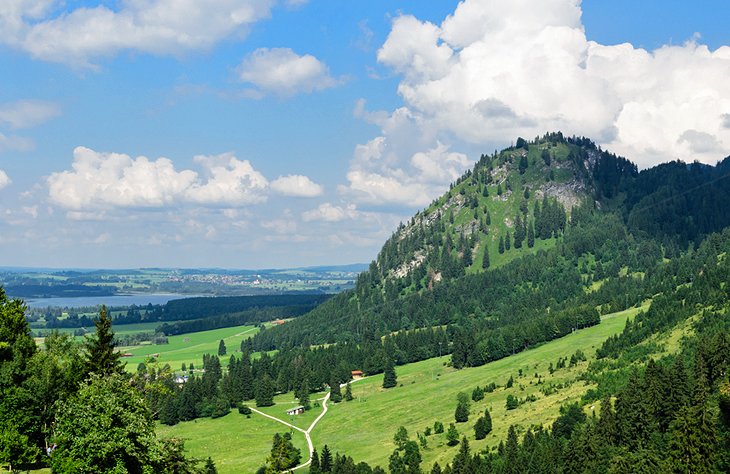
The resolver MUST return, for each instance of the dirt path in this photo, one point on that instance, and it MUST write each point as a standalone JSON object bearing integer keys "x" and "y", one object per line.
{"x": 308, "y": 431}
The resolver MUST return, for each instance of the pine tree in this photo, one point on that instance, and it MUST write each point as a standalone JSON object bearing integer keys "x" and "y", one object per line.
{"x": 390, "y": 379}
{"x": 264, "y": 391}
{"x": 101, "y": 358}
{"x": 507, "y": 242}
{"x": 325, "y": 461}
{"x": 209, "y": 467}
{"x": 348, "y": 392}
{"x": 461, "y": 415}
{"x": 531, "y": 235}
{"x": 335, "y": 392}
{"x": 221, "y": 348}
{"x": 500, "y": 249}
{"x": 452, "y": 435}
{"x": 485, "y": 260}
{"x": 303, "y": 395}
{"x": 314, "y": 467}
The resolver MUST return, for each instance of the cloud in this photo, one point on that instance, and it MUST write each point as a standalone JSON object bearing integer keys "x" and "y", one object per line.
{"x": 296, "y": 185}
{"x": 4, "y": 179}
{"x": 378, "y": 176}
{"x": 494, "y": 70}
{"x": 27, "y": 113}
{"x": 101, "y": 181}
{"x": 15, "y": 143}
{"x": 328, "y": 212}
{"x": 47, "y": 30}
{"x": 282, "y": 72}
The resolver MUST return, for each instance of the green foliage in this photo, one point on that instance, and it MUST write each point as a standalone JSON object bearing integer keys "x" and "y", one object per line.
{"x": 389, "y": 376}
{"x": 264, "y": 391}
{"x": 107, "y": 427}
{"x": 221, "y": 348}
{"x": 438, "y": 427}
{"x": 101, "y": 357}
{"x": 283, "y": 454}
{"x": 452, "y": 435}
{"x": 461, "y": 415}
{"x": 512, "y": 402}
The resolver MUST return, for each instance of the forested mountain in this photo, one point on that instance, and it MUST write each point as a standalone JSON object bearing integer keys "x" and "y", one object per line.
{"x": 451, "y": 262}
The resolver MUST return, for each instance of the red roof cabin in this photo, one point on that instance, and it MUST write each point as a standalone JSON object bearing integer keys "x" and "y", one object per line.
{"x": 357, "y": 374}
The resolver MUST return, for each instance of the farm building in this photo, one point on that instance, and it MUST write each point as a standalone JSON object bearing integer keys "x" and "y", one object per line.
{"x": 295, "y": 411}
{"x": 357, "y": 374}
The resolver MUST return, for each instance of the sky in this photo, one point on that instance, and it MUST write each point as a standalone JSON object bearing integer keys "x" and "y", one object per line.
{"x": 265, "y": 133}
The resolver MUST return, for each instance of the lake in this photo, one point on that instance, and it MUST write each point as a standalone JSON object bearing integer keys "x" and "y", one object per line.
{"x": 140, "y": 299}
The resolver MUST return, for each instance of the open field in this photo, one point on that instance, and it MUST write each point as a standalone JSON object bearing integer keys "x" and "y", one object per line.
{"x": 237, "y": 444}
{"x": 364, "y": 427}
{"x": 189, "y": 348}
{"x": 427, "y": 390}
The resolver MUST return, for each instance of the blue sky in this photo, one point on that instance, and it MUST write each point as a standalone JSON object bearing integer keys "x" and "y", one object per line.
{"x": 257, "y": 133}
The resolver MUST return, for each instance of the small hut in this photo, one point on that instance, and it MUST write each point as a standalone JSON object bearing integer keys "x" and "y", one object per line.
{"x": 356, "y": 374}
{"x": 295, "y": 411}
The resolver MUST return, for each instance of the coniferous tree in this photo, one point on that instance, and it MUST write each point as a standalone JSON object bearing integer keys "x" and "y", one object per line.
{"x": 500, "y": 249}
{"x": 531, "y": 235}
{"x": 221, "y": 348}
{"x": 461, "y": 415}
{"x": 303, "y": 394}
{"x": 452, "y": 435}
{"x": 314, "y": 467}
{"x": 348, "y": 392}
{"x": 264, "y": 391}
{"x": 335, "y": 392}
{"x": 101, "y": 358}
{"x": 507, "y": 241}
{"x": 325, "y": 461}
{"x": 390, "y": 378}
{"x": 485, "y": 260}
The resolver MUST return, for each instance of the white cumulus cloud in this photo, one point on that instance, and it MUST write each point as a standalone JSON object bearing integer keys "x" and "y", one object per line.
{"x": 497, "y": 69}
{"x": 328, "y": 212}
{"x": 282, "y": 72}
{"x": 4, "y": 179}
{"x": 296, "y": 185}
{"x": 379, "y": 176}
{"x": 113, "y": 180}
{"x": 51, "y": 31}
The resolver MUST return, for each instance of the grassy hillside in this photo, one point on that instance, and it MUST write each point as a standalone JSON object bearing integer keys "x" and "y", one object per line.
{"x": 364, "y": 427}
{"x": 189, "y": 348}
{"x": 237, "y": 444}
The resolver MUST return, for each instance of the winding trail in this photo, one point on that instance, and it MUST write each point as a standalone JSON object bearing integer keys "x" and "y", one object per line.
{"x": 308, "y": 431}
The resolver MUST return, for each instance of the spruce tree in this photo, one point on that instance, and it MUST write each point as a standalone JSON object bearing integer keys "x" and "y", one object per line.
{"x": 325, "y": 461}
{"x": 500, "y": 249}
{"x": 485, "y": 260}
{"x": 531, "y": 235}
{"x": 264, "y": 391}
{"x": 390, "y": 379}
{"x": 452, "y": 435}
{"x": 507, "y": 242}
{"x": 314, "y": 465}
{"x": 335, "y": 392}
{"x": 101, "y": 358}
{"x": 221, "y": 348}
{"x": 348, "y": 392}
{"x": 303, "y": 395}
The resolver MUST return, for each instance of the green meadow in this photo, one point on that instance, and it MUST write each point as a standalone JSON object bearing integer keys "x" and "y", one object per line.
{"x": 237, "y": 444}
{"x": 187, "y": 348}
{"x": 426, "y": 392}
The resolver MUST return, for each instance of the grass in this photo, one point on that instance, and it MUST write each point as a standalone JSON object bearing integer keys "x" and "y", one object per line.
{"x": 364, "y": 427}
{"x": 187, "y": 348}
{"x": 427, "y": 391}
{"x": 237, "y": 444}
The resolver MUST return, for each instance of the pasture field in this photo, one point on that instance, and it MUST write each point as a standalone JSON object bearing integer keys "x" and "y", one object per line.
{"x": 189, "y": 348}
{"x": 426, "y": 392}
{"x": 237, "y": 444}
